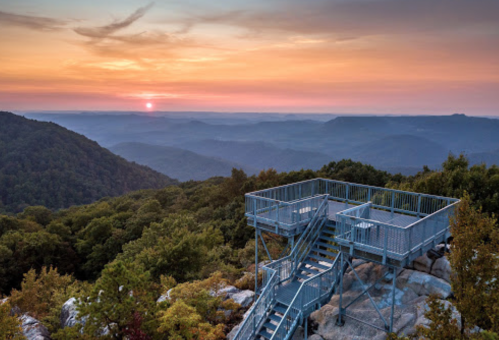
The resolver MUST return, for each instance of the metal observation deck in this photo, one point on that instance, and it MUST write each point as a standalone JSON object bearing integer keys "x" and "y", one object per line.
{"x": 333, "y": 222}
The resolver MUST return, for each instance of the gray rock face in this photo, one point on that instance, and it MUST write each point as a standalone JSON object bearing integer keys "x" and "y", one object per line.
{"x": 228, "y": 291}
{"x": 424, "y": 284}
{"x": 233, "y": 332}
{"x": 69, "y": 313}
{"x": 423, "y": 264}
{"x": 164, "y": 297}
{"x": 33, "y": 329}
{"x": 441, "y": 269}
{"x": 244, "y": 298}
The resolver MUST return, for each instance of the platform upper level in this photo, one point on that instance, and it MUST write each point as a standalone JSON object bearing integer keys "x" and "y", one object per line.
{"x": 391, "y": 225}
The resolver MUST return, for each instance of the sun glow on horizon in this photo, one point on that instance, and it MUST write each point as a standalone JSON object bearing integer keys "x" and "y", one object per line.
{"x": 149, "y": 106}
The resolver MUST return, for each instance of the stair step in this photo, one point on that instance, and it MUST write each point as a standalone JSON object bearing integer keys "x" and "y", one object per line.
{"x": 325, "y": 252}
{"x": 309, "y": 270}
{"x": 316, "y": 265}
{"x": 326, "y": 245}
{"x": 280, "y": 309}
{"x": 304, "y": 277}
{"x": 275, "y": 318}
{"x": 265, "y": 334}
{"x": 270, "y": 326}
{"x": 326, "y": 238}
{"x": 320, "y": 258}
{"x": 330, "y": 232}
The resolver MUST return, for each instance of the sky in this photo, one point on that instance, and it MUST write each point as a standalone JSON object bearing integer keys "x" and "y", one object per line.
{"x": 315, "y": 56}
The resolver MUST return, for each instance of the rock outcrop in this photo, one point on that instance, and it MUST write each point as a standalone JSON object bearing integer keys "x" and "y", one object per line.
{"x": 244, "y": 298}
{"x": 69, "y": 313}
{"x": 423, "y": 264}
{"x": 33, "y": 329}
{"x": 441, "y": 268}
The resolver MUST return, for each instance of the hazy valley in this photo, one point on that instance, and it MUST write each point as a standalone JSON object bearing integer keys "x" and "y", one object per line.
{"x": 255, "y": 142}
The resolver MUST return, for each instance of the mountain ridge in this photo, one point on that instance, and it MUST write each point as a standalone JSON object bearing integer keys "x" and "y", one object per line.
{"x": 45, "y": 164}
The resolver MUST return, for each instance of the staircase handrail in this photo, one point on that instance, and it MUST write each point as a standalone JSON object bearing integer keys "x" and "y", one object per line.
{"x": 297, "y": 303}
{"x": 290, "y": 263}
{"x": 311, "y": 229}
{"x": 264, "y": 302}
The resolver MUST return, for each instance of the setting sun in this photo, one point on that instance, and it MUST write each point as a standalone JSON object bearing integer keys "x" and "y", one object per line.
{"x": 149, "y": 105}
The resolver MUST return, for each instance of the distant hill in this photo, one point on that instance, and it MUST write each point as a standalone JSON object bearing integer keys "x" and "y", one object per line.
{"x": 305, "y": 143}
{"x": 46, "y": 164}
{"x": 401, "y": 151}
{"x": 177, "y": 163}
{"x": 260, "y": 155}
{"x": 489, "y": 158}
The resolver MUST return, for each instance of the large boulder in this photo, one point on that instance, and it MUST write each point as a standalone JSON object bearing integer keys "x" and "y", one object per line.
{"x": 423, "y": 284}
{"x": 69, "y": 313}
{"x": 165, "y": 296}
{"x": 423, "y": 264}
{"x": 233, "y": 332}
{"x": 441, "y": 269}
{"x": 244, "y": 298}
{"x": 34, "y": 329}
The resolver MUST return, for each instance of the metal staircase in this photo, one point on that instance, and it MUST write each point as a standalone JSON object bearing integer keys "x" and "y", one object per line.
{"x": 296, "y": 285}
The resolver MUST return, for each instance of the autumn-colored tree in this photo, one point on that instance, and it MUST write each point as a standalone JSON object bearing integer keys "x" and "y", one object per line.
{"x": 442, "y": 325}
{"x": 42, "y": 295}
{"x": 37, "y": 292}
{"x": 474, "y": 260}
{"x": 10, "y": 325}
{"x": 182, "y": 322}
{"x": 199, "y": 294}
{"x": 134, "y": 330}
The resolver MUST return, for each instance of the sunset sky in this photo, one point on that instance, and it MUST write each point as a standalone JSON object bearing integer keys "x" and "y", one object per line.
{"x": 334, "y": 56}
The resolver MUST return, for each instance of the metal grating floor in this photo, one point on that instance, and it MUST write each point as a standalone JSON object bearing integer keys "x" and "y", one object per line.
{"x": 376, "y": 214}
{"x": 286, "y": 293}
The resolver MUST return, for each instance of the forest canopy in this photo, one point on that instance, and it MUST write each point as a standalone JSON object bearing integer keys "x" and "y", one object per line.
{"x": 189, "y": 237}
{"x": 46, "y": 164}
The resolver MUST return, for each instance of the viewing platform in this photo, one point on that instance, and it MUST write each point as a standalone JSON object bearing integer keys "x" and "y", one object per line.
{"x": 383, "y": 225}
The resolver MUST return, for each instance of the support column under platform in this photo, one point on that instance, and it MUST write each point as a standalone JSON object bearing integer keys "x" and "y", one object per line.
{"x": 342, "y": 315}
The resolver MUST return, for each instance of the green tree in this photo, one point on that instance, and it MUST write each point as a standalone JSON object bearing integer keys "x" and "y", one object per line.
{"x": 38, "y": 214}
{"x": 474, "y": 261}
{"x": 123, "y": 291}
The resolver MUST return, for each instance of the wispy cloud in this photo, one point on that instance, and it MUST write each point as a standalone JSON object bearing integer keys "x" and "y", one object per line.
{"x": 31, "y": 22}
{"x": 355, "y": 18}
{"x": 108, "y": 41}
{"x": 105, "y": 31}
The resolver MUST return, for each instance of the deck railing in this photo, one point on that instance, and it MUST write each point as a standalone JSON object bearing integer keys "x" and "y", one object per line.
{"x": 291, "y": 205}
{"x": 311, "y": 293}
{"x": 259, "y": 310}
{"x": 357, "y": 230}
